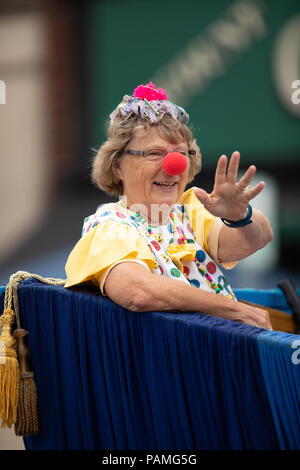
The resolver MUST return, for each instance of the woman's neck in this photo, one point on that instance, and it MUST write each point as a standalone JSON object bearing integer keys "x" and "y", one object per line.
{"x": 154, "y": 214}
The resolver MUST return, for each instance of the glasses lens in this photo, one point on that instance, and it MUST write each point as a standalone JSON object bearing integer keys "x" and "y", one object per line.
{"x": 183, "y": 152}
{"x": 155, "y": 154}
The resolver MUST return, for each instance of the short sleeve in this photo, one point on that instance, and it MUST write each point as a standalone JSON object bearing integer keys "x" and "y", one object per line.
{"x": 206, "y": 227}
{"x": 102, "y": 247}
{"x": 103, "y": 275}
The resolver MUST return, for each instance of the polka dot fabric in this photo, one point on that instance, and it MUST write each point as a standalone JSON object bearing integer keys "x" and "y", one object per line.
{"x": 195, "y": 266}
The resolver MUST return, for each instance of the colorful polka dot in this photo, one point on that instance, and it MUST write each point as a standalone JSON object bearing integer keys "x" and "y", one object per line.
{"x": 175, "y": 272}
{"x": 189, "y": 228}
{"x": 105, "y": 213}
{"x": 222, "y": 278}
{"x": 211, "y": 267}
{"x": 156, "y": 245}
{"x": 120, "y": 215}
{"x": 158, "y": 237}
{"x": 200, "y": 255}
{"x": 170, "y": 228}
{"x": 186, "y": 270}
{"x": 195, "y": 282}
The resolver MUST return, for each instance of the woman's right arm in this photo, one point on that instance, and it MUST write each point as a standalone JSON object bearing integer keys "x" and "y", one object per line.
{"x": 133, "y": 287}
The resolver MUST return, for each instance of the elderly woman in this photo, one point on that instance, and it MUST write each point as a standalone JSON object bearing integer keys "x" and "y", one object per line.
{"x": 160, "y": 246}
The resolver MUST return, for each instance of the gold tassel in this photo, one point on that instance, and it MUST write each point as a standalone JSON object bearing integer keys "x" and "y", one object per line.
{"x": 27, "y": 417}
{"x": 18, "y": 394}
{"x": 9, "y": 370}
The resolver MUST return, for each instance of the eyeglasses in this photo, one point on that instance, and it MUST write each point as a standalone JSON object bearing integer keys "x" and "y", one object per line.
{"x": 156, "y": 155}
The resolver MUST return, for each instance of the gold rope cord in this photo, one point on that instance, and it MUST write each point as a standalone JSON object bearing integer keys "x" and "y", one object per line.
{"x": 18, "y": 397}
{"x": 19, "y": 276}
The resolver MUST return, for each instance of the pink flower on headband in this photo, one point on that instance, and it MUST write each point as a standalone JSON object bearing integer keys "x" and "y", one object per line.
{"x": 150, "y": 92}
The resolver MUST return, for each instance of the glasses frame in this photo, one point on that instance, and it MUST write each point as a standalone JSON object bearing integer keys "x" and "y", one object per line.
{"x": 142, "y": 152}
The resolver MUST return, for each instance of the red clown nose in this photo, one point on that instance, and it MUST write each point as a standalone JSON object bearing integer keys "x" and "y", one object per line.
{"x": 174, "y": 163}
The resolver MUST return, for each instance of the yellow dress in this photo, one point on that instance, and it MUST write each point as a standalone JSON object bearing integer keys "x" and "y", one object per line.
{"x": 115, "y": 234}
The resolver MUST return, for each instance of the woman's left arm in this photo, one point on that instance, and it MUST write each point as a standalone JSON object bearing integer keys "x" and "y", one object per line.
{"x": 229, "y": 200}
{"x": 238, "y": 243}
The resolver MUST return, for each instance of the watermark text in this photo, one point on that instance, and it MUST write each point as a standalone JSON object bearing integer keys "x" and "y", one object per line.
{"x": 2, "y": 92}
{"x": 2, "y": 353}
{"x": 296, "y": 353}
{"x": 295, "y": 97}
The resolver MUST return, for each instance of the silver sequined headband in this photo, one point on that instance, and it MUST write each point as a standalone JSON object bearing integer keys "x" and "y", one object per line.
{"x": 151, "y": 104}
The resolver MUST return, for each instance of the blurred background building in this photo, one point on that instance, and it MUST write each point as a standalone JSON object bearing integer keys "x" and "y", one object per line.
{"x": 64, "y": 66}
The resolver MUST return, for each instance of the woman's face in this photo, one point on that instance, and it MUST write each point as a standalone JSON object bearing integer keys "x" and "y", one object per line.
{"x": 144, "y": 181}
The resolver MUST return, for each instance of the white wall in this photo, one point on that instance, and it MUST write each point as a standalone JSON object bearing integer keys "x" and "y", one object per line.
{"x": 24, "y": 162}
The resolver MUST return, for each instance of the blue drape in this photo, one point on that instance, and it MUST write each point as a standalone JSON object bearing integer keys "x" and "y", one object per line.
{"x": 280, "y": 362}
{"x": 108, "y": 378}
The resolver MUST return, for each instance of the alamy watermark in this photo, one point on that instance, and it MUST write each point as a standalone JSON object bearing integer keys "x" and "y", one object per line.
{"x": 154, "y": 214}
{"x": 296, "y": 354}
{"x": 2, "y": 92}
{"x": 2, "y": 352}
{"x": 295, "y": 97}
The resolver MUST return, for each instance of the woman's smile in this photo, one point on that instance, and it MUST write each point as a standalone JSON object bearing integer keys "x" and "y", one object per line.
{"x": 166, "y": 187}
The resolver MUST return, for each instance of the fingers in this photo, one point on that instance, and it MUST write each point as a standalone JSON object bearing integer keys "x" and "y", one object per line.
{"x": 253, "y": 192}
{"x": 233, "y": 167}
{"x": 265, "y": 321}
{"x": 203, "y": 197}
{"x": 220, "y": 176}
{"x": 247, "y": 178}
{"x": 229, "y": 174}
{"x": 245, "y": 182}
{"x": 255, "y": 316}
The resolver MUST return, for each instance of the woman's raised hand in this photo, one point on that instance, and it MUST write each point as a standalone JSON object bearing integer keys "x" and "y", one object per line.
{"x": 229, "y": 198}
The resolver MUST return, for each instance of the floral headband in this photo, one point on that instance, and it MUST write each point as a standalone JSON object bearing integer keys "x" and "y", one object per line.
{"x": 150, "y": 103}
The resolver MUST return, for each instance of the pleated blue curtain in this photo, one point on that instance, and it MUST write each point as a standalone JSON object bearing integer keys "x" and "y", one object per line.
{"x": 108, "y": 378}
{"x": 280, "y": 363}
